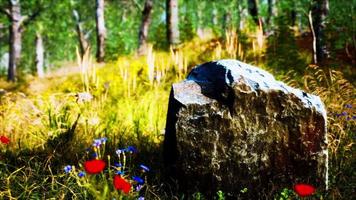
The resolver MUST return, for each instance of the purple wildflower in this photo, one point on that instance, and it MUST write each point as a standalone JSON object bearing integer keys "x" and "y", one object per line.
{"x": 97, "y": 143}
{"x": 139, "y": 187}
{"x": 103, "y": 140}
{"x": 68, "y": 168}
{"x": 348, "y": 106}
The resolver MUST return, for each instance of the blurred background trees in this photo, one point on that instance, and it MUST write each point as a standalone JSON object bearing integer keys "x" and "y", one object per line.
{"x": 120, "y": 27}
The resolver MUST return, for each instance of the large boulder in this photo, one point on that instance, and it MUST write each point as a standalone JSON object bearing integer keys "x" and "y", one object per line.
{"x": 232, "y": 126}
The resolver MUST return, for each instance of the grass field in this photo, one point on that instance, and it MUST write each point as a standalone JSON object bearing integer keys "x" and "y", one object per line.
{"x": 52, "y": 123}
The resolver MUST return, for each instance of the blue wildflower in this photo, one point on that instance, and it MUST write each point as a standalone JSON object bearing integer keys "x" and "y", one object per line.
{"x": 119, "y": 151}
{"x": 344, "y": 113}
{"x": 68, "y": 168}
{"x": 119, "y": 172}
{"x": 94, "y": 155}
{"x": 139, "y": 187}
{"x": 348, "y": 106}
{"x": 141, "y": 198}
{"x": 354, "y": 117}
{"x": 117, "y": 164}
{"x": 131, "y": 149}
{"x": 138, "y": 179}
{"x": 348, "y": 118}
{"x": 97, "y": 142}
{"x": 144, "y": 168}
{"x": 81, "y": 174}
{"x": 104, "y": 139}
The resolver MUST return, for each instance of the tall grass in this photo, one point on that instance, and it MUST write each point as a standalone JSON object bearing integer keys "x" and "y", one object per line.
{"x": 126, "y": 101}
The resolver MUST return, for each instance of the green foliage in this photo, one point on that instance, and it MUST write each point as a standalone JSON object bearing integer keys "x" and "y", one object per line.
{"x": 282, "y": 52}
{"x": 285, "y": 194}
{"x": 220, "y": 195}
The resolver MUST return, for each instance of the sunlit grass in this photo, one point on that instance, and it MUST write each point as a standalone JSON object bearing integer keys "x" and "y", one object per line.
{"x": 127, "y": 101}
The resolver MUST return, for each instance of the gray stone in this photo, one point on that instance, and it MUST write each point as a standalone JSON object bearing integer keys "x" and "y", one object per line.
{"x": 232, "y": 126}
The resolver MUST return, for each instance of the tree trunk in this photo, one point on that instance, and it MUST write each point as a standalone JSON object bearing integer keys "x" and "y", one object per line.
{"x": 39, "y": 55}
{"x": 272, "y": 12}
{"x": 172, "y": 21}
{"x": 83, "y": 43}
{"x": 100, "y": 31}
{"x": 319, "y": 11}
{"x": 15, "y": 38}
{"x": 227, "y": 21}
{"x": 253, "y": 10}
{"x": 145, "y": 24}
{"x": 242, "y": 15}
{"x": 214, "y": 18}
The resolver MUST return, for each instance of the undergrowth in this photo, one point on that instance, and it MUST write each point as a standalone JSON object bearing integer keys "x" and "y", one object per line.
{"x": 126, "y": 101}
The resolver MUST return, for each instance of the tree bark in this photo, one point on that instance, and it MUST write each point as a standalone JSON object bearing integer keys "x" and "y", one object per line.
{"x": 253, "y": 10}
{"x": 100, "y": 30}
{"x": 145, "y": 24}
{"x": 272, "y": 12}
{"x": 319, "y": 11}
{"x": 15, "y": 38}
{"x": 83, "y": 43}
{"x": 227, "y": 21}
{"x": 39, "y": 55}
{"x": 214, "y": 15}
{"x": 172, "y": 21}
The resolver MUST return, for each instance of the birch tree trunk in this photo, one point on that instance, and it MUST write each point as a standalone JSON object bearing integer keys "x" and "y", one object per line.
{"x": 145, "y": 24}
{"x": 100, "y": 31}
{"x": 15, "y": 38}
{"x": 172, "y": 21}
{"x": 272, "y": 12}
{"x": 83, "y": 43}
{"x": 319, "y": 11}
{"x": 39, "y": 55}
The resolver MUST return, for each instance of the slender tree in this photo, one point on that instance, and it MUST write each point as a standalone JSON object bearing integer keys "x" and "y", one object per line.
{"x": 39, "y": 55}
{"x": 145, "y": 23}
{"x": 253, "y": 10}
{"x": 272, "y": 12}
{"x": 17, "y": 24}
{"x": 100, "y": 30}
{"x": 83, "y": 43}
{"x": 317, "y": 20}
{"x": 172, "y": 21}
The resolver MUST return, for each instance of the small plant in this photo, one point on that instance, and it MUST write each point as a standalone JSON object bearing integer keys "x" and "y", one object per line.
{"x": 197, "y": 196}
{"x": 221, "y": 195}
{"x": 285, "y": 194}
{"x": 243, "y": 191}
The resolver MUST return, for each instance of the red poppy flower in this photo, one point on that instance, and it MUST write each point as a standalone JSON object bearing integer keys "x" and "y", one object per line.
{"x": 4, "y": 140}
{"x": 121, "y": 184}
{"x": 94, "y": 166}
{"x": 304, "y": 190}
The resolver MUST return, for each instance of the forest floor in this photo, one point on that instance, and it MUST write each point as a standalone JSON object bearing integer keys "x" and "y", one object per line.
{"x": 51, "y": 128}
